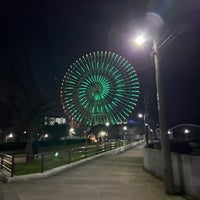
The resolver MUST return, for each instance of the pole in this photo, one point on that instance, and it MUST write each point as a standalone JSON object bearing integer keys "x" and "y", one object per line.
{"x": 146, "y": 130}
{"x": 165, "y": 146}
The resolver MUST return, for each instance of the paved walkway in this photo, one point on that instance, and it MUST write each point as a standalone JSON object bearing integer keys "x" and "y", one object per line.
{"x": 111, "y": 177}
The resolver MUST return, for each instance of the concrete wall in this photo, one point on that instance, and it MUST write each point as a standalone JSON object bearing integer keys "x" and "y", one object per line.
{"x": 186, "y": 170}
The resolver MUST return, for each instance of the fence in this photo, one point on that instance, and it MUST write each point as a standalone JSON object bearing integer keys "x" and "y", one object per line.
{"x": 7, "y": 163}
{"x": 17, "y": 165}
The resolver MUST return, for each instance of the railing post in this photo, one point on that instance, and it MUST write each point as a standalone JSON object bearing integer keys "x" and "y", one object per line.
{"x": 42, "y": 163}
{"x": 1, "y": 161}
{"x": 69, "y": 155}
{"x": 97, "y": 149}
{"x": 71, "y": 151}
{"x": 86, "y": 151}
{"x": 13, "y": 166}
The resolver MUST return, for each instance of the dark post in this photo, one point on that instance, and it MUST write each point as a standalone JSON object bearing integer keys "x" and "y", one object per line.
{"x": 1, "y": 161}
{"x": 13, "y": 166}
{"x": 69, "y": 155}
{"x": 96, "y": 149}
{"x": 42, "y": 163}
{"x": 86, "y": 148}
{"x": 146, "y": 130}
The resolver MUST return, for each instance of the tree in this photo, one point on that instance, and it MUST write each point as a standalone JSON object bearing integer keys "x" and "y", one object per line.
{"x": 28, "y": 110}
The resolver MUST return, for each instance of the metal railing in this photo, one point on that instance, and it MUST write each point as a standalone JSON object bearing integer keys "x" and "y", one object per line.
{"x": 17, "y": 165}
{"x": 7, "y": 163}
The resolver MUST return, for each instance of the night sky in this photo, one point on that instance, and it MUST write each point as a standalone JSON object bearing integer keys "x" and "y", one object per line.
{"x": 40, "y": 39}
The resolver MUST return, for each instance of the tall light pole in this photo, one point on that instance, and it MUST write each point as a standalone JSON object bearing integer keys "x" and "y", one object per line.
{"x": 165, "y": 145}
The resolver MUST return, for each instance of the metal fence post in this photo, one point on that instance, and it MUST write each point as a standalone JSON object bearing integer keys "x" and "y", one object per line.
{"x": 97, "y": 149}
{"x": 1, "y": 161}
{"x": 86, "y": 152}
{"x": 69, "y": 155}
{"x": 13, "y": 166}
{"x": 42, "y": 163}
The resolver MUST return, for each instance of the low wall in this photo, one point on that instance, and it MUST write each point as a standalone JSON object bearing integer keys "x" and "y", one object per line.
{"x": 186, "y": 170}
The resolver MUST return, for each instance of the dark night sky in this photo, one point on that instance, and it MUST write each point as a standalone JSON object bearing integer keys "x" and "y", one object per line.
{"x": 40, "y": 39}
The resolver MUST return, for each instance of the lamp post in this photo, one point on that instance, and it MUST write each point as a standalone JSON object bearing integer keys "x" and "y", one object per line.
{"x": 144, "y": 117}
{"x": 124, "y": 133}
{"x": 165, "y": 145}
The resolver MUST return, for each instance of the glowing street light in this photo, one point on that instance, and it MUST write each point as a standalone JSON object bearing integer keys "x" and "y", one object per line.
{"x": 71, "y": 130}
{"x": 140, "y": 40}
{"x": 107, "y": 124}
{"x": 186, "y": 131}
{"x": 140, "y": 115}
{"x": 10, "y": 135}
{"x": 124, "y": 128}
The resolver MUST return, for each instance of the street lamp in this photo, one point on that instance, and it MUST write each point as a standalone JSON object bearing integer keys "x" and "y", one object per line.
{"x": 144, "y": 117}
{"x": 107, "y": 124}
{"x": 140, "y": 115}
{"x": 139, "y": 40}
{"x": 124, "y": 128}
{"x": 186, "y": 131}
{"x": 166, "y": 153}
{"x": 125, "y": 133}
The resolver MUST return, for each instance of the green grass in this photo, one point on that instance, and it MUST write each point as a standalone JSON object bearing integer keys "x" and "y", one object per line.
{"x": 51, "y": 160}
{"x": 27, "y": 168}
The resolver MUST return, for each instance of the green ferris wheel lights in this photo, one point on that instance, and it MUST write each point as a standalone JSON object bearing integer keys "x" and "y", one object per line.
{"x": 100, "y": 87}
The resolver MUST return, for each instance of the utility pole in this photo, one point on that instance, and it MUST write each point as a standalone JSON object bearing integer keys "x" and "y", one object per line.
{"x": 165, "y": 144}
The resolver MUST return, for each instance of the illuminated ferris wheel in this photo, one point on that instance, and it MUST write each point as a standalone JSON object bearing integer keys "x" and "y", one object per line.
{"x": 99, "y": 87}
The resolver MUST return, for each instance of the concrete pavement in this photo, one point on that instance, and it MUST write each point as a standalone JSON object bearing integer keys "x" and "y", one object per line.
{"x": 111, "y": 177}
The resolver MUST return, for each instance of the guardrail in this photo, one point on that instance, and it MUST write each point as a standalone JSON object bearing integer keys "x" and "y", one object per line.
{"x": 17, "y": 165}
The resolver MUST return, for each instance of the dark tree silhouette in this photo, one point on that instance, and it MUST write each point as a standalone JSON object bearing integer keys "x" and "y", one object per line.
{"x": 28, "y": 111}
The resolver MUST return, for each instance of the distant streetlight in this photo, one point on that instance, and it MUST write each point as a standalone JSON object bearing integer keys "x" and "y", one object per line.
{"x": 186, "y": 131}
{"x": 71, "y": 130}
{"x": 107, "y": 124}
{"x": 140, "y": 115}
{"x": 143, "y": 116}
{"x": 125, "y": 133}
{"x": 166, "y": 153}
{"x": 124, "y": 128}
{"x": 10, "y": 135}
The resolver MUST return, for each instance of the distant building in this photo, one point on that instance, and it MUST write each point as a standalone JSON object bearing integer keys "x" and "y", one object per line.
{"x": 54, "y": 120}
